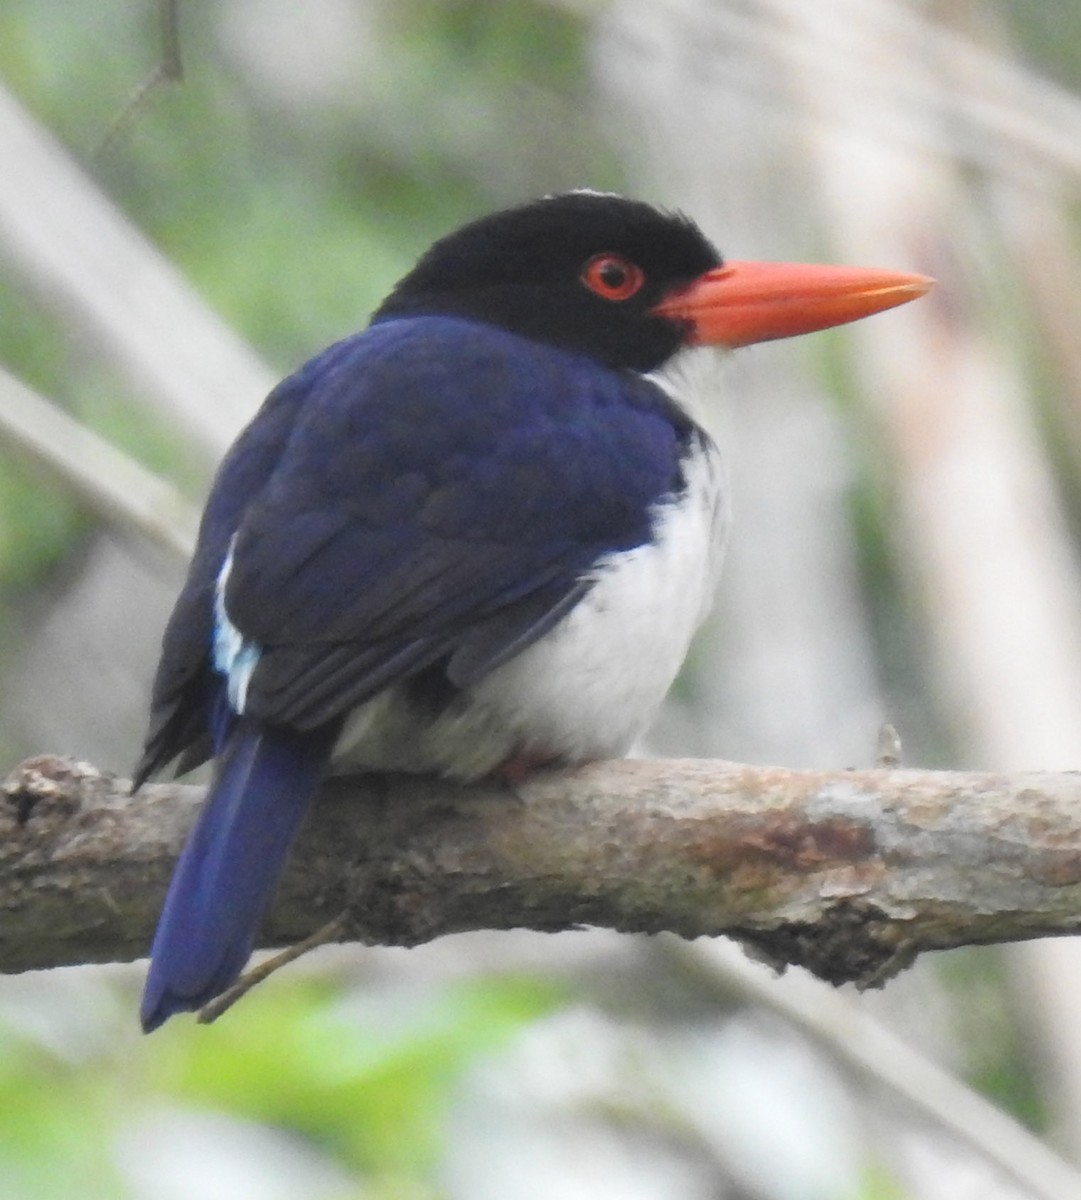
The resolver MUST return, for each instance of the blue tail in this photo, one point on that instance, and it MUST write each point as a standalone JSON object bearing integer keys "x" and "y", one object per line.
{"x": 227, "y": 873}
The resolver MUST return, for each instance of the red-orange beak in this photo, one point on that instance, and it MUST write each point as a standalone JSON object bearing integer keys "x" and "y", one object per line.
{"x": 745, "y": 302}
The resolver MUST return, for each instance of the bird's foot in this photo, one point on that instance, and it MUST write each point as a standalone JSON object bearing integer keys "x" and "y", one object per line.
{"x": 515, "y": 770}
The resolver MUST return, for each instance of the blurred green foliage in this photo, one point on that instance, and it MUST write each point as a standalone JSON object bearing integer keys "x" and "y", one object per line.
{"x": 367, "y": 1083}
{"x": 58, "y": 1120}
{"x": 365, "y": 1086}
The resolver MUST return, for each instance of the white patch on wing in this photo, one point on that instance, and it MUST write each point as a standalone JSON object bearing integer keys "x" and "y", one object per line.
{"x": 234, "y": 656}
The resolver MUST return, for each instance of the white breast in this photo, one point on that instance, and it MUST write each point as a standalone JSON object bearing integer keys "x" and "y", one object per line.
{"x": 589, "y": 687}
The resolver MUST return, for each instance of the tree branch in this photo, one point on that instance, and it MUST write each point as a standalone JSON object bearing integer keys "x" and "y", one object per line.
{"x": 850, "y": 874}
{"x": 102, "y": 476}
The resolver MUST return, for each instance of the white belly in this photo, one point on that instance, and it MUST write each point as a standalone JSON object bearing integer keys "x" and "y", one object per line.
{"x": 590, "y": 686}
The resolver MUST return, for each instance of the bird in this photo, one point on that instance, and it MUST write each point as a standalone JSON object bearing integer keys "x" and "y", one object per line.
{"x": 472, "y": 540}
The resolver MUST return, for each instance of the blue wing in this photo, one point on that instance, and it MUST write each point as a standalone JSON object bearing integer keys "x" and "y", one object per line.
{"x": 444, "y": 493}
{"x": 429, "y": 493}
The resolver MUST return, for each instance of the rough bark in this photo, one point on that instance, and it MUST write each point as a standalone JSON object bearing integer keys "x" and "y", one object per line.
{"x": 848, "y": 873}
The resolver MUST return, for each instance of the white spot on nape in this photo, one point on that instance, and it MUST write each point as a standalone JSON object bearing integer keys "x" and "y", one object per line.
{"x": 234, "y": 656}
{"x": 582, "y": 191}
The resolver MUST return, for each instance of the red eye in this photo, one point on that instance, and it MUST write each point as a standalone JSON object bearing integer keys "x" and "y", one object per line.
{"x": 612, "y": 276}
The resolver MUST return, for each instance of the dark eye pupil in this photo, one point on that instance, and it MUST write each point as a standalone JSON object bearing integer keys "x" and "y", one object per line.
{"x": 613, "y": 275}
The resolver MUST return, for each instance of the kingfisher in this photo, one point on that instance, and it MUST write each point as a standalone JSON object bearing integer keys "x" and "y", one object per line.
{"x": 474, "y": 539}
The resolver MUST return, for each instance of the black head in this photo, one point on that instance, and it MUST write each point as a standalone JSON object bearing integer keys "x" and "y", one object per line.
{"x": 581, "y": 271}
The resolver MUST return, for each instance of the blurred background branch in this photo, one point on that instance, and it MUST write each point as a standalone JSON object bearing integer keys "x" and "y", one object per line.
{"x": 115, "y": 487}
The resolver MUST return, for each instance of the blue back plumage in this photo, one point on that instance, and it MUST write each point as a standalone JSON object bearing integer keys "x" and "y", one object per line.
{"x": 431, "y": 492}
